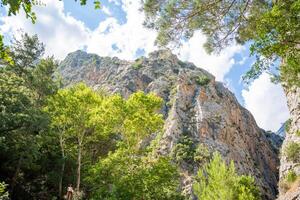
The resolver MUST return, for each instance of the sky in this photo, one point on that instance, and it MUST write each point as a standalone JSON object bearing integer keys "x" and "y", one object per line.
{"x": 117, "y": 30}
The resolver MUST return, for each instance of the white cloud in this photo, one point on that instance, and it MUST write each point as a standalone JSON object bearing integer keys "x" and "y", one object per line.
{"x": 62, "y": 34}
{"x": 116, "y": 2}
{"x": 267, "y": 102}
{"x": 106, "y": 10}
{"x": 59, "y": 31}
{"x": 128, "y": 37}
{"x": 218, "y": 65}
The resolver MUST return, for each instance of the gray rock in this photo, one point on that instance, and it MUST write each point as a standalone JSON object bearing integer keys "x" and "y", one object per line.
{"x": 293, "y": 100}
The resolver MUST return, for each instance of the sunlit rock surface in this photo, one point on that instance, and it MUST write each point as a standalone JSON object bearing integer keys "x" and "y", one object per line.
{"x": 208, "y": 113}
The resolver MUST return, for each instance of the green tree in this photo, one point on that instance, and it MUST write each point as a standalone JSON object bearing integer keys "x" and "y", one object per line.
{"x": 124, "y": 175}
{"x": 25, "y": 83}
{"x": 217, "y": 181}
{"x": 129, "y": 172}
{"x": 72, "y": 111}
{"x": 3, "y": 193}
{"x": 272, "y": 27}
{"x": 141, "y": 119}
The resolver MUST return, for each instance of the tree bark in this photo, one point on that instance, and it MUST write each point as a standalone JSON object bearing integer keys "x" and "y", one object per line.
{"x": 15, "y": 177}
{"x": 79, "y": 167}
{"x": 62, "y": 171}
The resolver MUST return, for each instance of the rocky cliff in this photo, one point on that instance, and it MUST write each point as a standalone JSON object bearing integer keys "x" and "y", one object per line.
{"x": 290, "y": 157}
{"x": 196, "y": 106}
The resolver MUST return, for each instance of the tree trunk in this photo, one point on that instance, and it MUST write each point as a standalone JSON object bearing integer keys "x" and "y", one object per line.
{"x": 62, "y": 171}
{"x": 78, "y": 167}
{"x": 15, "y": 177}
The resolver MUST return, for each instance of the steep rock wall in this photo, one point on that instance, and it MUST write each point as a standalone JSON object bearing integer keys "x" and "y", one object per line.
{"x": 204, "y": 110}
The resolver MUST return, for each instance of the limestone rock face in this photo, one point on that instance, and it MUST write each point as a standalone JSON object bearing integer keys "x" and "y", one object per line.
{"x": 293, "y": 99}
{"x": 195, "y": 105}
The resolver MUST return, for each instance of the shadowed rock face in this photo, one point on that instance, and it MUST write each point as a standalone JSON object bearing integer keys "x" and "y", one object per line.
{"x": 205, "y": 111}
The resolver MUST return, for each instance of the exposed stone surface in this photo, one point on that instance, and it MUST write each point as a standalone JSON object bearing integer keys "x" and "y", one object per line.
{"x": 207, "y": 113}
{"x": 293, "y": 99}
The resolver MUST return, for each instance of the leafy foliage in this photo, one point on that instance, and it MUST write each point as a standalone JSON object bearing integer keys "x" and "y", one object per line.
{"x": 287, "y": 125}
{"x": 271, "y": 26}
{"x": 72, "y": 112}
{"x": 3, "y": 193}
{"x": 26, "y": 81}
{"x": 291, "y": 176}
{"x": 202, "y": 154}
{"x": 184, "y": 150}
{"x": 202, "y": 80}
{"x": 123, "y": 175}
{"x": 129, "y": 172}
{"x": 292, "y": 151}
{"x": 137, "y": 64}
{"x": 217, "y": 181}
{"x": 187, "y": 151}
{"x": 288, "y": 181}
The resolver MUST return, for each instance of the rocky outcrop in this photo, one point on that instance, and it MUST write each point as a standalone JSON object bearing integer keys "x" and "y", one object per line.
{"x": 195, "y": 106}
{"x": 291, "y": 191}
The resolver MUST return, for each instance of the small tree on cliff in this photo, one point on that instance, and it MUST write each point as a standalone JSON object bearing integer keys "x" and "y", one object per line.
{"x": 217, "y": 181}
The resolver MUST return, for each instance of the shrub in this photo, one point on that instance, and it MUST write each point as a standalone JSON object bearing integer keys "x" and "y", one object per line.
{"x": 219, "y": 181}
{"x": 3, "y": 191}
{"x": 287, "y": 125}
{"x": 202, "y": 154}
{"x": 123, "y": 175}
{"x": 298, "y": 133}
{"x": 184, "y": 150}
{"x": 291, "y": 176}
{"x": 138, "y": 64}
{"x": 292, "y": 151}
{"x": 202, "y": 80}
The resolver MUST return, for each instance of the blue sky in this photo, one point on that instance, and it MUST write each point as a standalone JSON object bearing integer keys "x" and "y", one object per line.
{"x": 116, "y": 30}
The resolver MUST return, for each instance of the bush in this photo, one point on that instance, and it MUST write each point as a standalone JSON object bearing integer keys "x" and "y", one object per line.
{"x": 202, "y": 154}
{"x": 298, "y": 133}
{"x": 202, "y": 80}
{"x": 186, "y": 151}
{"x": 3, "y": 191}
{"x": 123, "y": 175}
{"x": 138, "y": 64}
{"x": 286, "y": 183}
{"x": 291, "y": 176}
{"x": 287, "y": 125}
{"x": 292, "y": 151}
{"x": 217, "y": 181}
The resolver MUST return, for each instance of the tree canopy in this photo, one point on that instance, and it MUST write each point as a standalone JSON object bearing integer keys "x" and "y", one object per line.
{"x": 272, "y": 27}
{"x": 217, "y": 181}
